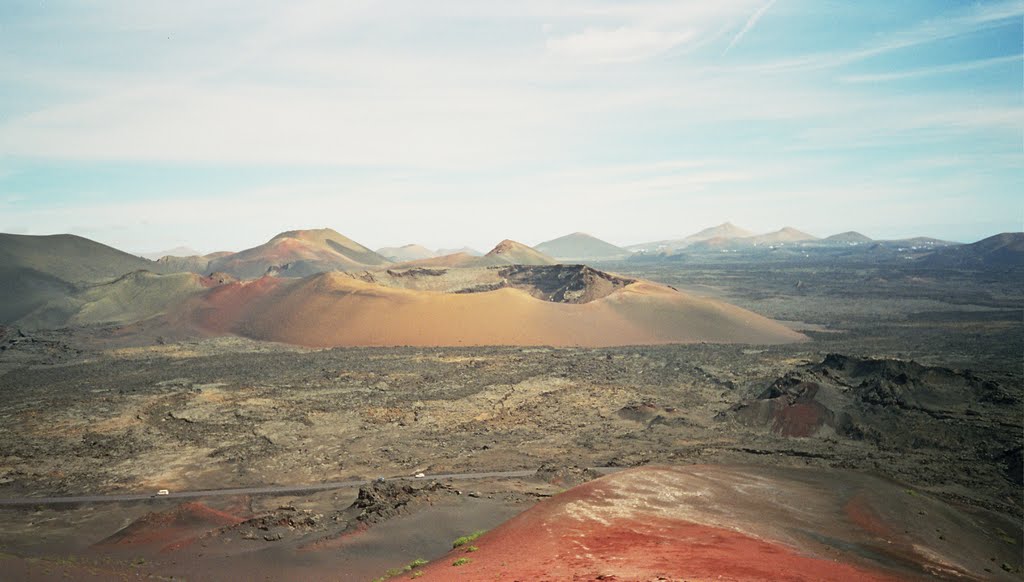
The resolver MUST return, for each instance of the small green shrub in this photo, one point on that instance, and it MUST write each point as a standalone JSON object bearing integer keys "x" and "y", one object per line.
{"x": 416, "y": 564}
{"x": 466, "y": 539}
{"x": 461, "y": 561}
{"x": 471, "y": 549}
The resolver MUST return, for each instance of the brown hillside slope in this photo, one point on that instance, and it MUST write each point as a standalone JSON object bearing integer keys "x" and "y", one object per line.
{"x": 460, "y": 259}
{"x": 334, "y": 309}
{"x": 312, "y": 251}
{"x": 516, "y": 253}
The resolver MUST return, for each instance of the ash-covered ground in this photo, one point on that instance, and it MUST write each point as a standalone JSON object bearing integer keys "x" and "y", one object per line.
{"x": 916, "y": 373}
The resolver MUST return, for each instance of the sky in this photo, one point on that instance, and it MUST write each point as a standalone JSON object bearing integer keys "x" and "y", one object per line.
{"x": 149, "y": 125}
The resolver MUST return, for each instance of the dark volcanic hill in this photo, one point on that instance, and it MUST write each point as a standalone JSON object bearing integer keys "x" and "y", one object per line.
{"x": 1000, "y": 251}
{"x": 67, "y": 257}
{"x": 580, "y": 246}
{"x": 848, "y": 237}
{"x": 36, "y": 271}
{"x": 299, "y": 253}
{"x": 891, "y": 403}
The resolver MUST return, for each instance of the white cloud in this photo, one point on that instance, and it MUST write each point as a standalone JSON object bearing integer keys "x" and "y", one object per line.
{"x": 260, "y": 124}
{"x": 616, "y": 45}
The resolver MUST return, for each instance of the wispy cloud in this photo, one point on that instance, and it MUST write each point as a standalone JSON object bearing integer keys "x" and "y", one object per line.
{"x": 975, "y": 19}
{"x": 750, "y": 24}
{"x": 626, "y": 32}
{"x": 618, "y": 114}
{"x": 616, "y": 45}
{"x": 930, "y": 71}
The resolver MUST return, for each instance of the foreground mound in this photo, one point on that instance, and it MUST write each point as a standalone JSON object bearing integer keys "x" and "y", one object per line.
{"x": 736, "y": 523}
{"x": 560, "y": 306}
{"x": 171, "y": 529}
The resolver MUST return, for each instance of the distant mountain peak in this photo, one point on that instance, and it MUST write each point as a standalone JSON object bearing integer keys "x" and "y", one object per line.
{"x": 311, "y": 250}
{"x": 409, "y": 252}
{"x": 507, "y": 246}
{"x": 581, "y": 246}
{"x": 783, "y": 235}
{"x": 850, "y": 236}
{"x": 725, "y": 230}
{"x": 515, "y": 252}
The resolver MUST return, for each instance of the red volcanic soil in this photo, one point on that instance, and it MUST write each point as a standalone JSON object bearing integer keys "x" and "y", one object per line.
{"x": 636, "y": 549}
{"x": 732, "y": 523}
{"x": 225, "y": 304}
{"x": 172, "y": 529}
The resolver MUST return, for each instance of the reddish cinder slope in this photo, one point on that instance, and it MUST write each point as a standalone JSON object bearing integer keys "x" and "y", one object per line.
{"x": 333, "y": 309}
{"x": 732, "y": 523}
{"x": 516, "y": 253}
{"x": 172, "y": 529}
{"x": 319, "y": 249}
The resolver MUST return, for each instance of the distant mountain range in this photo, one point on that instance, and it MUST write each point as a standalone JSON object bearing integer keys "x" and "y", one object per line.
{"x": 175, "y": 252}
{"x": 469, "y": 251}
{"x": 295, "y": 288}
{"x": 728, "y": 237}
{"x": 53, "y": 281}
{"x": 724, "y": 231}
{"x": 35, "y": 267}
{"x": 415, "y": 252}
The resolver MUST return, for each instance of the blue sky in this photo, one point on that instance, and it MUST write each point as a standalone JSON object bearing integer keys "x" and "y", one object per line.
{"x": 147, "y": 125}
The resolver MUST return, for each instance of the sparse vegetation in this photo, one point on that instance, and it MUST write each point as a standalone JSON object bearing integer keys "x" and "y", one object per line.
{"x": 461, "y": 562}
{"x": 416, "y": 564}
{"x": 467, "y": 538}
{"x": 471, "y": 549}
{"x": 392, "y": 572}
